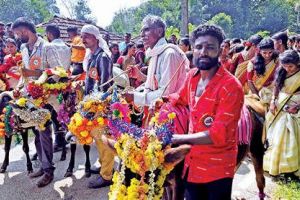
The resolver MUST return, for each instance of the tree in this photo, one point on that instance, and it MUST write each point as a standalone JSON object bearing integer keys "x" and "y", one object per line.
{"x": 41, "y": 13}
{"x": 69, "y": 5}
{"x": 172, "y": 30}
{"x": 78, "y": 9}
{"x": 52, "y": 6}
{"x": 185, "y": 17}
{"x": 223, "y": 20}
{"x": 37, "y": 10}
{"x": 247, "y": 16}
{"x": 83, "y": 11}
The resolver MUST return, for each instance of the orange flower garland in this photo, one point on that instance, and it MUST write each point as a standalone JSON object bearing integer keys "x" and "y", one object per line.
{"x": 2, "y": 129}
{"x": 82, "y": 127}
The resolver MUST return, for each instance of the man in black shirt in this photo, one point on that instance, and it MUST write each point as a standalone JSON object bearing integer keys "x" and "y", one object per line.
{"x": 99, "y": 71}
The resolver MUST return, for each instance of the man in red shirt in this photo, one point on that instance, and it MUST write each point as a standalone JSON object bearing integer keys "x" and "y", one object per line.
{"x": 215, "y": 99}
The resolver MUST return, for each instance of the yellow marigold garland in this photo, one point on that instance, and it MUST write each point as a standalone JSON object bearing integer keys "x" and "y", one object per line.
{"x": 82, "y": 127}
{"x": 140, "y": 158}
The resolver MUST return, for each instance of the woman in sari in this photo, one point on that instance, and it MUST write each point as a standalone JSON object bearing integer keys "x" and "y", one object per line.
{"x": 224, "y": 57}
{"x": 127, "y": 57}
{"x": 260, "y": 75}
{"x": 283, "y": 120}
{"x": 9, "y": 70}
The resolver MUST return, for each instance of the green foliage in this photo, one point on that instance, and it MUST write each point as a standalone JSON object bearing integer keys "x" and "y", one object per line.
{"x": 240, "y": 18}
{"x": 191, "y": 27}
{"x": 83, "y": 12}
{"x": 37, "y": 10}
{"x": 172, "y": 30}
{"x": 41, "y": 30}
{"x": 224, "y": 21}
{"x": 288, "y": 191}
{"x": 263, "y": 33}
{"x": 129, "y": 20}
{"x": 41, "y": 12}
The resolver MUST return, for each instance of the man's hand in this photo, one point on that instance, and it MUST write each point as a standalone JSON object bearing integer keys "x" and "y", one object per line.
{"x": 136, "y": 73}
{"x": 293, "y": 109}
{"x": 201, "y": 138}
{"x": 178, "y": 139}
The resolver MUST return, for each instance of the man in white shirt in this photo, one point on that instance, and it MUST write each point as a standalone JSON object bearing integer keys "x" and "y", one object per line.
{"x": 167, "y": 65}
{"x": 63, "y": 51}
{"x": 64, "y": 57}
{"x": 37, "y": 55}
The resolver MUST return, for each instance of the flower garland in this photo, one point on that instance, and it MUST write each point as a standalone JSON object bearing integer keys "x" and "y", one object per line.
{"x": 142, "y": 152}
{"x": 8, "y": 122}
{"x": 90, "y": 117}
{"x": 66, "y": 109}
{"x": 40, "y": 89}
{"x": 2, "y": 129}
{"x": 82, "y": 127}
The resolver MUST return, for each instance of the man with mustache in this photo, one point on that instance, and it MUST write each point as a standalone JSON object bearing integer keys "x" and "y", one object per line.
{"x": 37, "y": 55}
{"x": 215, "y": 99}
{"x": 99, "y": 70}
{"x": 167, "y": 65}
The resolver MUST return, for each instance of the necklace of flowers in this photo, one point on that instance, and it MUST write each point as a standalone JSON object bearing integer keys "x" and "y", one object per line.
{"x": 146, "y": 153}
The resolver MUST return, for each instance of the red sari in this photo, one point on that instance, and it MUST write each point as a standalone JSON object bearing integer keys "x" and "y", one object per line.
{"x": 5, "y": 69}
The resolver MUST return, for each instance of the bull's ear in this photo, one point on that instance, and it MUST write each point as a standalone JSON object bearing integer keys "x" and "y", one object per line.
{"x": 177, "y": 154}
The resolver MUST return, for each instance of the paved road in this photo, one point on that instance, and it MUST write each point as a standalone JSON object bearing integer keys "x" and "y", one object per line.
{"x": 15, "y": 184}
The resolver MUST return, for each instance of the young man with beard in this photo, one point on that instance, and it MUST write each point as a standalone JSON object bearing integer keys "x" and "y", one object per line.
{"x": 215, "y": 99}
{"x": 37, "y": 55}
{"x": 99, "y": 71}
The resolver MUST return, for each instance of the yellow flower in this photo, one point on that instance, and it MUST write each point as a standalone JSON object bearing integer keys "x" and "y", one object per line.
{"x": 84, "y": 133}
{"x": 60, "y": 71}
{"x": 78, "y": 119}
{"x": 22, "y": 102}
{"x": 87, "y": 105}
{"x": 100, "y": 108}
{"x": 100, "y": 121}
{"x": 171, "y": 115}
{"x": 38, "y": 102}
{"x": 90, "y": 123}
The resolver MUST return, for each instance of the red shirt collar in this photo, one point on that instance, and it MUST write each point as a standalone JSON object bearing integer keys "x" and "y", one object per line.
{"x": 219, "y": 74}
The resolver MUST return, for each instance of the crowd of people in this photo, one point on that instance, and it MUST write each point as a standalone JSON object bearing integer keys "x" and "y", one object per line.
{"x": 213, "y": 77}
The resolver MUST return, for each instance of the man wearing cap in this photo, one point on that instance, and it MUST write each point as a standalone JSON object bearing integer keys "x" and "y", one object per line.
{"x": 99, "y": 71}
